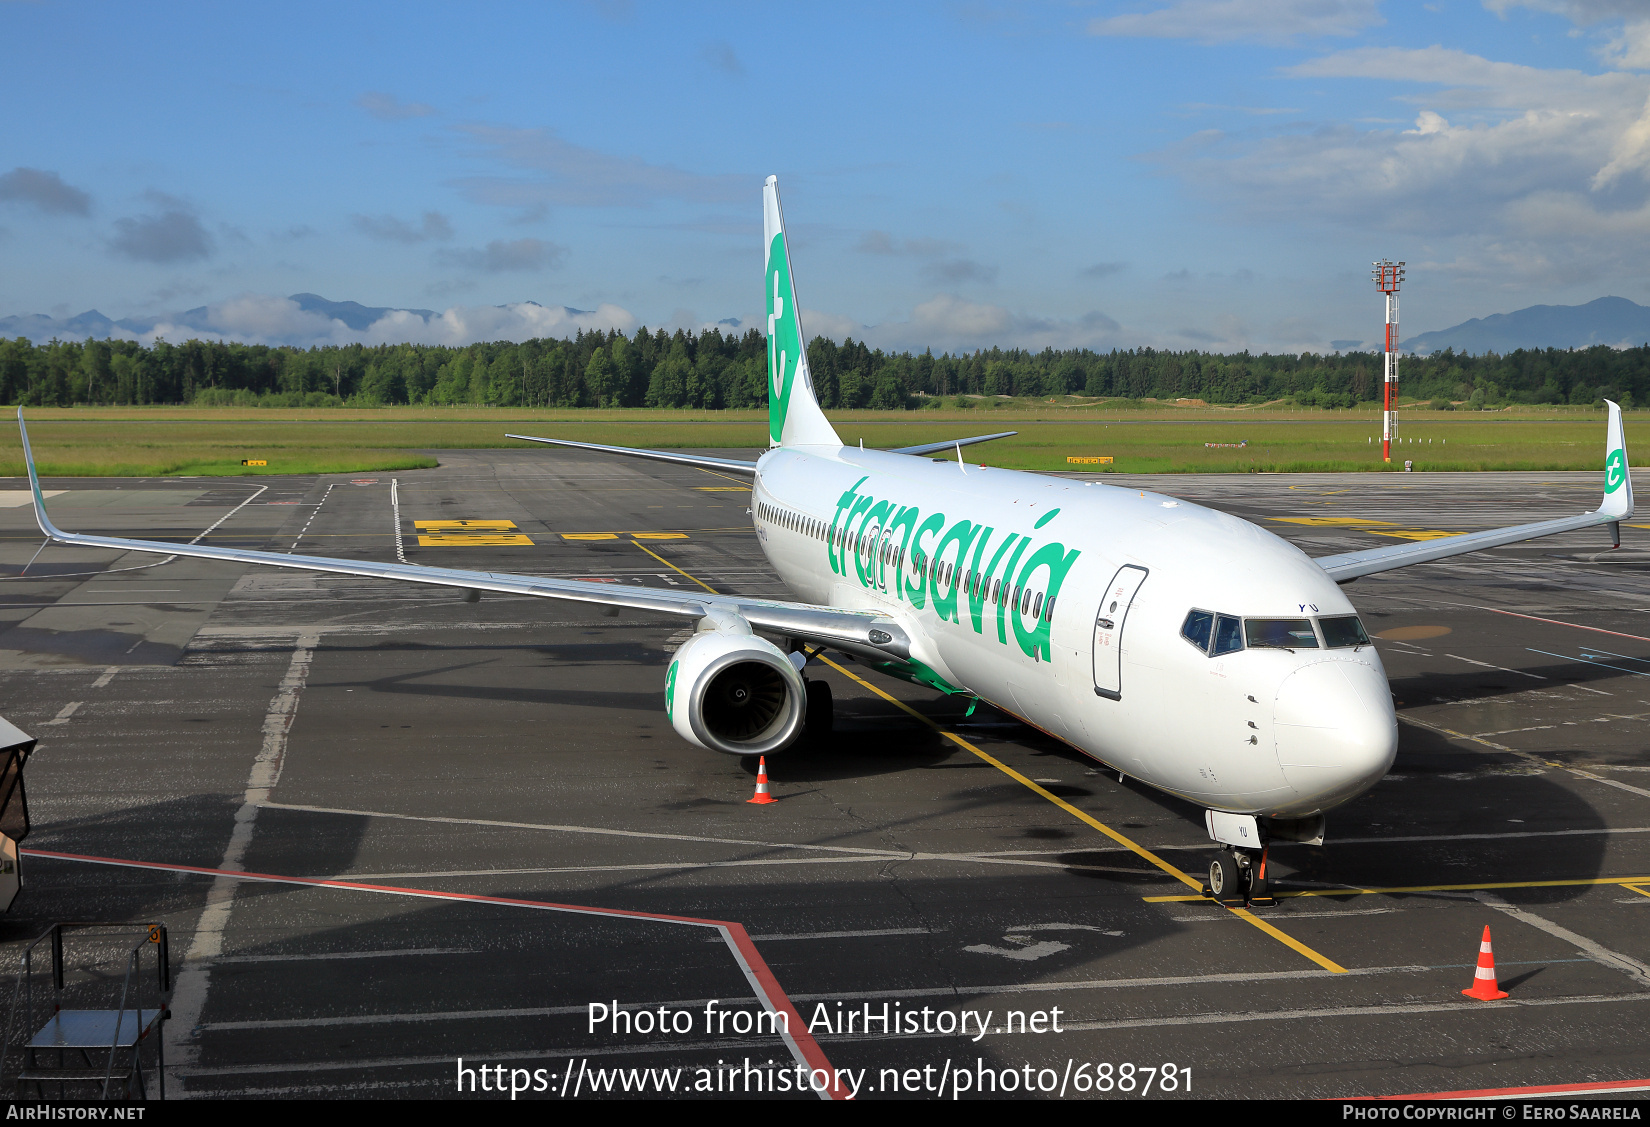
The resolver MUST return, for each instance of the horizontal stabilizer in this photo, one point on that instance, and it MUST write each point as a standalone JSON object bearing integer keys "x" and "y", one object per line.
{"x": 950, "y": 443}
{"x": 728, "y": 465}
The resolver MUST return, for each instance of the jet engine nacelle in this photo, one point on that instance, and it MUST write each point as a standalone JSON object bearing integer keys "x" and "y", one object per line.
{"x": 731, "y": 691}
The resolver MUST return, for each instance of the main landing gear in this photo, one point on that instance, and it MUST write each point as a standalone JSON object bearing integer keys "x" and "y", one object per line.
{"x": 1238, "y": 878}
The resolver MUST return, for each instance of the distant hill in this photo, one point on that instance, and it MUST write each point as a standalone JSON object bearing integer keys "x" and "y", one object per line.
{"x": 1614, "y": 321}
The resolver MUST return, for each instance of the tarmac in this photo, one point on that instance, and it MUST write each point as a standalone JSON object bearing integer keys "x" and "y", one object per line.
{"x": 488, "y": 767}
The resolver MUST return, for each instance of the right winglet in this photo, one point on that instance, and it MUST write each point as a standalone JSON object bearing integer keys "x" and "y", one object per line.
{"x": 1618, "y": 479}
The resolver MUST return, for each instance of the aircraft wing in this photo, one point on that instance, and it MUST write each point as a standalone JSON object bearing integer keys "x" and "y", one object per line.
{"x": 1616, "y": 506}
{"x": 931, "y": 447}
{"x": 726, "y": 465}
{"x": 857, "y": 632}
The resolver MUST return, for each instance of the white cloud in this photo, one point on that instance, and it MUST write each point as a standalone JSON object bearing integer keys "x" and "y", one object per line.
{"x": 1505, "y": 167}
{"x": 499, "y": 256}
{"x": 388, "y": 228}
{"x": 387, "y": 107}
{"x": 947, "y": 322}
{"x": 578, "y": 176}
{"x": 1224, "y": 21}
{"x": 267, "y": 319}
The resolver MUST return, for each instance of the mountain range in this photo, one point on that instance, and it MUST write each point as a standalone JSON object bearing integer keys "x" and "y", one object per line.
{"x": 1614, "y": 321}
{"x": 38, "y": 327}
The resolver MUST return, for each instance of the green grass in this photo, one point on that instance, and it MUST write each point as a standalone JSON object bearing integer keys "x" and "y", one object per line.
{"x": 1142, "y": 437}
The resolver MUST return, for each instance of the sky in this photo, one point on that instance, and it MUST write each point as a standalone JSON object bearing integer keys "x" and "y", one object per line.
{"x": 1212, "y": 174}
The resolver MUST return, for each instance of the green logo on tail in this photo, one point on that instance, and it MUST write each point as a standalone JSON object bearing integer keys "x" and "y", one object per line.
{"x": 784, "y": 338}
{"x": 1615, "y": 470}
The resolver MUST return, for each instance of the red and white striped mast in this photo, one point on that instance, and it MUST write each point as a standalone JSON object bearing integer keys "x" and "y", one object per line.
{"x": 1388, "y": 277}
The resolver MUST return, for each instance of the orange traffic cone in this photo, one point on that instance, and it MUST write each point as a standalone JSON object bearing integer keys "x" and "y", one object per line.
{"x": 1484, "y": 986}
{"x": 762, "y": 797}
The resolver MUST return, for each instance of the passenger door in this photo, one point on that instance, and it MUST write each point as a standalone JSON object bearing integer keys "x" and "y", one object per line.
{"x": 1108, "y": 630}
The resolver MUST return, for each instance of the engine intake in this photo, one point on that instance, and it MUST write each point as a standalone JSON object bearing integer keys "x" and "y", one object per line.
{"x": 734, "y": 693}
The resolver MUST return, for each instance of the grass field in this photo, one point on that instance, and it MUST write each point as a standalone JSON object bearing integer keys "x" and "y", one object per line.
{"x": 177, "y": 441}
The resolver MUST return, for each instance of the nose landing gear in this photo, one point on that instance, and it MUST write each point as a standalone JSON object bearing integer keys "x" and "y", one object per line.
{"x": 1238, "y": 878}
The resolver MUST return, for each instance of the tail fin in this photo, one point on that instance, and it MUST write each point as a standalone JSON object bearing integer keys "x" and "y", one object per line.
{"x": 794, "y": 416}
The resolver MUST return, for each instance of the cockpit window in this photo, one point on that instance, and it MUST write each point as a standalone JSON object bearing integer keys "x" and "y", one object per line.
{"x": 1228, "y": 635}
{"x": 1197, "y": 628}
{"x": 1280, "y": 633}
{"x": 1341, "y": 632}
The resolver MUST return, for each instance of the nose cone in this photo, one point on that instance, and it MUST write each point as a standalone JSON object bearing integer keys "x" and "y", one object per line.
{"x": 1335, "y": 729}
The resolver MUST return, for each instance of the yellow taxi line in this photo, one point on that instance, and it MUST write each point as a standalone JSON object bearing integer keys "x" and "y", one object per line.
{"x": 1132, "y": 846}
{"x": 1473, "y": 886}
{"x": 673, "y": 567}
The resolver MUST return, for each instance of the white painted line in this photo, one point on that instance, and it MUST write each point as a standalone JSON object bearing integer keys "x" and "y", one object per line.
{"x": 195, "y": 976}
{"x": 1500, "y": 668}
{"x": 855, "y": 934}
{"x": 328, "y": 956}
{"x": 395, "y": 515}
{"x": 1634, "y": 969}
{"x": 108, "y": 675}
{"x": 1589, "y": 661}
{"x": 64, "y": 713}
{"x": 1617, "y": 783}
{"x": 600, "y": 830}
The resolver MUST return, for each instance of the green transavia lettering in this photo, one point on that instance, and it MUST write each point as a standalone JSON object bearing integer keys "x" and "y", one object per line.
{"x": 955, "y": 569}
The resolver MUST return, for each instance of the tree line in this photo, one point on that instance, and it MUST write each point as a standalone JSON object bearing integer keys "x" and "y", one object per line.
{"x": 714, "y": 370}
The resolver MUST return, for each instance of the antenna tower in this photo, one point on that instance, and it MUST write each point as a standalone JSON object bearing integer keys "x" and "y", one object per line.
{"x": 1388, "y": 277}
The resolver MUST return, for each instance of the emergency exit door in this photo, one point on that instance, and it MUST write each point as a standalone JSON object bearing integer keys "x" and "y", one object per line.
{"x": 1108, "y": 630}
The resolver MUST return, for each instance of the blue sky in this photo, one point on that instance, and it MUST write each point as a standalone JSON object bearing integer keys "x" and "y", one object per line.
{"x": 1175, "y": 173}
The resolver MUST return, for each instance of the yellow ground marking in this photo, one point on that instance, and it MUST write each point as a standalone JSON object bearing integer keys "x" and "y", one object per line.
{"x": 1132, "y": 846}
{"x": 673, "y": 567}
{"x": 465, "y": 525}
{"x": 1414, "y": 533}
{"x": 723, "y": 476}
{"x": 1479, "y": 886}
{"x": 1413, "y": 633}
{"x": 1639, "y": 526}
{"x": 473, "y": 540}
{"x": 470, "y": 534}
{"x": 590, "y": 536}
{"x": 1333, "y": 522}
{"x": 1637, "y": 889}
{"x": 723, "y": 488}
{"x": 616, "y": 535}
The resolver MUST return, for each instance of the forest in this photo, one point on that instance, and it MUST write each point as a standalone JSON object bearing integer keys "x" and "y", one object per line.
{"x": 711, "y": 370}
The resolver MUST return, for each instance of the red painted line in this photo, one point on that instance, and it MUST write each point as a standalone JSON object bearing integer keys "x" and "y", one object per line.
{"x": 1559, "y": 622}
{"x": 1598, "y": 1086}
{"x": 802, "y": 1044}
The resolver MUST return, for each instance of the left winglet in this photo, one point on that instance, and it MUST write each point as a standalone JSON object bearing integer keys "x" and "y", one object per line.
{"x": 40, "y": 516}
{"x": 1616, "y": 507}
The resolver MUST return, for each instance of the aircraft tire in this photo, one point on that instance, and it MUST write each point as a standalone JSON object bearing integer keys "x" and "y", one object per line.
{"x": 1225, "y": 878}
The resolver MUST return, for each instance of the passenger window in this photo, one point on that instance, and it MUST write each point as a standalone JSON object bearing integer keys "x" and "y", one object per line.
{"x": 1339, "y": 633}
{"x": 1048, "y": 612}
{"x": 1228, "y": 635}
{"x": 1280, "y": 633}
{"x": 1037, "y": 610}
{"x": 1198, "y": 628}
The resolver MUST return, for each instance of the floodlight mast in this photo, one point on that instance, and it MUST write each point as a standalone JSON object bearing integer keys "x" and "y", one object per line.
{"x": 1388, "y": 277}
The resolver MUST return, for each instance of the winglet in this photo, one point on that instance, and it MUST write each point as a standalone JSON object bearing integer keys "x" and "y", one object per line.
{"x": 46, "y": 525}
{"x": 1618, "y": 478}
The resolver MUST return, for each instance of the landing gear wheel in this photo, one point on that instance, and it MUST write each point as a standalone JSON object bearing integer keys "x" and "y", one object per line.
{"x": 1226, "y": 879}
{"x": 820, "y": 714}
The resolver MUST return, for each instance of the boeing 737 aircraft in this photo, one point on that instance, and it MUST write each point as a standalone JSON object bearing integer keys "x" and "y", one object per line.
{"x": 1188, "y": 648}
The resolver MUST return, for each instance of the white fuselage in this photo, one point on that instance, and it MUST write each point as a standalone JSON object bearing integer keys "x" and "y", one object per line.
{"x": 966, "y": 559}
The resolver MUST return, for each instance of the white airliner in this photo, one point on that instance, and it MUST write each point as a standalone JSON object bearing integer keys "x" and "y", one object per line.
{"x": 1182, "y": 646}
